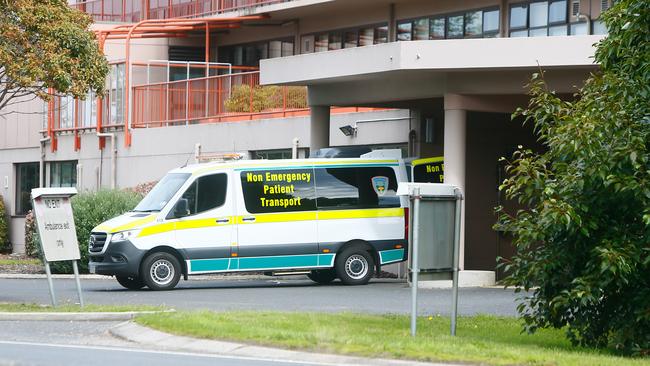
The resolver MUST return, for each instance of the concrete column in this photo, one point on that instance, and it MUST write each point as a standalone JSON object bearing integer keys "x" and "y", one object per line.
{"x": 319, "y": 127}
{"x": 454, "y": 153}
{"x": 392, "y": 26}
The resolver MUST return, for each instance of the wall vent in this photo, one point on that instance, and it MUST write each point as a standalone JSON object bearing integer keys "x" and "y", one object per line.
{"x": 575, "y": 8}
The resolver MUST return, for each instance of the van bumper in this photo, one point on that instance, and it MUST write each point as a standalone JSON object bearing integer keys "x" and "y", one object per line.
{"x": 121, "y": 258}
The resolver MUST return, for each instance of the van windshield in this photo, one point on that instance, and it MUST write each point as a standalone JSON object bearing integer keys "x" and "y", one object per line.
{"x": 162, "y": 192}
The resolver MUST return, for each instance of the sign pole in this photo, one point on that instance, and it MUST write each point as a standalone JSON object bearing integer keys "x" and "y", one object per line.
{"x": 454, "y": 295}
{"x": 49, "y": 282}
{"x": 76, "y": 277}
{"x": 414, "y": 265}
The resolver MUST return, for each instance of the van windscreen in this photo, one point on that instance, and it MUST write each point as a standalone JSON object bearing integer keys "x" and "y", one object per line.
{"x": 162, "y": 192}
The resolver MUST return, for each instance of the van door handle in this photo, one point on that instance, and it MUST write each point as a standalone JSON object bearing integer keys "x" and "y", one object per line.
{"x": 223, "y": 221}
{"x": 249, "y": 219}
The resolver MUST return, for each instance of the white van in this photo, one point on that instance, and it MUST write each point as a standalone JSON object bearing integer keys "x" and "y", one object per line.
{"x": 336, "y": 218}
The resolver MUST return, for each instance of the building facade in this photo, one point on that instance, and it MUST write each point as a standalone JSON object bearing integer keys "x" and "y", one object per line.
{"x": 260, "y": 77}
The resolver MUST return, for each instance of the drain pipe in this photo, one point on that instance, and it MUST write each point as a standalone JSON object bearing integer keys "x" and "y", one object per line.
{"x": 41, "y": 165}
{"x": 294, "y": 148}
{"x": 113, "y": 158}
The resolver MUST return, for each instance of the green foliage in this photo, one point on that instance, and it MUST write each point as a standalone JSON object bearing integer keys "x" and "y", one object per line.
{"x": 583, "y": 243}
{"x": 265, "y": 98}
{"x": 485, "y": 340}
{"x": 32, "y": 244}
{"x": 91, "y": 209}
{"x": 47, "y": 44}
{"x": 4, "y": 229}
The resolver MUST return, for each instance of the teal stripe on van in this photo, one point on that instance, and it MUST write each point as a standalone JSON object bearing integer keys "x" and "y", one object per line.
{"x": 201, "y": 265}
{"x": 389, "y": 256}
{"x": 261, "y": 263}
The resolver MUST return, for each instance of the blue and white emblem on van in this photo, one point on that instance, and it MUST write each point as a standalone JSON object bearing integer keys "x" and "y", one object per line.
{"x": 380, "y": 185}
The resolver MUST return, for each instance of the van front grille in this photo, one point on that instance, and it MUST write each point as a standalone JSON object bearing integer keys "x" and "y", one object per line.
{"x": 96, "y": 242}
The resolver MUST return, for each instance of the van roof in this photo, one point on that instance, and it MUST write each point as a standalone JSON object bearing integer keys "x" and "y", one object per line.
{"x": 297, "y": 163}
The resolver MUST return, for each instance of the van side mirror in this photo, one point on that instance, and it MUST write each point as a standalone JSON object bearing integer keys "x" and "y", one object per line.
{"x": 182, "y": 208}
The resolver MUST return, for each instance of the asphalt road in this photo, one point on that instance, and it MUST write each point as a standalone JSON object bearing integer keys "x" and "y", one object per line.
{"x": 379, "y": 296}
{"x": 54, "y": 343}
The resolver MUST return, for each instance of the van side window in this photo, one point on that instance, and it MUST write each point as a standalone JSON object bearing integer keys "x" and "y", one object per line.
{"x": 356, "y": 187}
{"x": 206, "y": 193}
{"x": 282, "y": 190}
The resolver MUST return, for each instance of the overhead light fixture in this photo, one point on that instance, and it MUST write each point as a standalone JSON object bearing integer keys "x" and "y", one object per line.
{"x": 349, "y": 130}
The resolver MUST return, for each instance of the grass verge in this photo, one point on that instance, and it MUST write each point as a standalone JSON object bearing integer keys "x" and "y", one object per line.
{"x": 71, "y": 308}
{"x": 481, "y": 339}
{"x": 19, "y": 262}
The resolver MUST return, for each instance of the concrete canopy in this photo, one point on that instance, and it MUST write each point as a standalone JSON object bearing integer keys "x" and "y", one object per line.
{"x": 382, "y": 74}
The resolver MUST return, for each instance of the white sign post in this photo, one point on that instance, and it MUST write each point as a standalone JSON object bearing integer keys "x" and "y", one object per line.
{"x": 55, "y": 222}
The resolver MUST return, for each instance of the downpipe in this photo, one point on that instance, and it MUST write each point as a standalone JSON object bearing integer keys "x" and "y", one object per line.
{"x": 41, "y": 165}
{"x": 113, "y": 158}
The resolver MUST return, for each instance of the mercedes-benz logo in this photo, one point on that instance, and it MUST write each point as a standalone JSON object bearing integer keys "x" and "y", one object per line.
{"x": 92, "y": 240}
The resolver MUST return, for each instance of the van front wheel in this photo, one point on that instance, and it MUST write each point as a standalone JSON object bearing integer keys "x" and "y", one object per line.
{"x": 322, "y": 276}
{"x": 161, "y": 271}
{"x": 355, "y": 266}
{"x": 131, "y": 283}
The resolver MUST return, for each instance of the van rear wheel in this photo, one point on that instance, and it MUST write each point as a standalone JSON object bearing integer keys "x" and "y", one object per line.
{"x": 161, "y": 271}
{"x": 355, "y": 266}
{"x": 131, "y": 283}
{"x": 322, "y": 276}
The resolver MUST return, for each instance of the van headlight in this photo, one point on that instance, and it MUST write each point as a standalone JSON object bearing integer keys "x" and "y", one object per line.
{"x": 124, "y": 235}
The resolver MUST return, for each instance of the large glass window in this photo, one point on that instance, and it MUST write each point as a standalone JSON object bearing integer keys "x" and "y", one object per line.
{"x": 437, "y": 30}
{"x": 63, "y": 174}
{"x": 350, "y": 39}
{"x": 206, "y": 193}
{"x": 335, "y": 41}
{"x": 354, "y": 187}
{"x": 541, "y": 19}
{"x": 381, "y": 34}
{"x": 287, "y": 190}
{"x": 421, "y": 29}
{"x": 27, "y": 178}
{"x": 366, "y": 37}
{"x": 474, "y": 24}
{"x": 404, "y": 31}
{"x": 322, "y": 43}
{"x": 251, "y": 54}
{"x": 455, "y": 26}
{"x": 491, "y": 21}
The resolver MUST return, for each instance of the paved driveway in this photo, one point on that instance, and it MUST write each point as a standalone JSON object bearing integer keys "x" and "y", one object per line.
{"x": 379, "y": 296}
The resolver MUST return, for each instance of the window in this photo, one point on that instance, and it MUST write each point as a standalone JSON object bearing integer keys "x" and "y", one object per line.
{"x": 322, "y": 42}
{"x": 541, "y": 19}
{"x": 455, "y": 27}
{"x": 366, "y": 36}
{"x": 251, "y": 54}
{"x": 421, "y": 29}
{"x": 272, "y": 154}
{"x": 355, "y": 187}
{"x": 404, "y": 31}
{"x": 491, "y": 21}
{"x": 27, "y": 178}
{"x": 437, "y": 28}
{"x": 474, "y": 24}
{"x": 206, "y": 193}
{"x": 282, "y": 190}
{"x": 335, "y": 41}
{"x": 381, "y": 34}
{"x": 350, "y": 39}
{"x": 63, "y": 174}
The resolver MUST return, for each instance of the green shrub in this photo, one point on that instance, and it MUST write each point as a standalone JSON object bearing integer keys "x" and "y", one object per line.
{"x": 32, "y": 245}
{"x": 91, "y": 209}
{"x": 583, "y": 242}
{"x": 265, "y": 98}
{"x": 4, "y": 229}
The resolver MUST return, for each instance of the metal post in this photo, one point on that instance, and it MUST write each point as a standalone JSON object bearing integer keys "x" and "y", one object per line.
{"x": 414, "y": 262}
{"x": 49, "y": 282}
{"x": 454, "y": 295}
{"x": 75, "y": 269}
{"x": 187, "y": 96}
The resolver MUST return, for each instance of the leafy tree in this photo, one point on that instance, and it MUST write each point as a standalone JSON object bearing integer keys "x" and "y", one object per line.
{"x": 46, "y": 44}
{"x": 583, "y": 242}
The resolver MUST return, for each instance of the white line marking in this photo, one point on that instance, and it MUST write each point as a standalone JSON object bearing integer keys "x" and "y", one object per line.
{"x": 172, "y": 353}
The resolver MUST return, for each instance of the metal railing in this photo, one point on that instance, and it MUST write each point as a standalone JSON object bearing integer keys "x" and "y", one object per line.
{"x": 136, "y": 10}
{"x": 213, "y": 99}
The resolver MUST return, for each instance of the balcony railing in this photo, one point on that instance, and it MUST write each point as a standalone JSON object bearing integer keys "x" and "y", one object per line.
{"x": 136, "y": 10}
{"x": 213, "y": 99}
